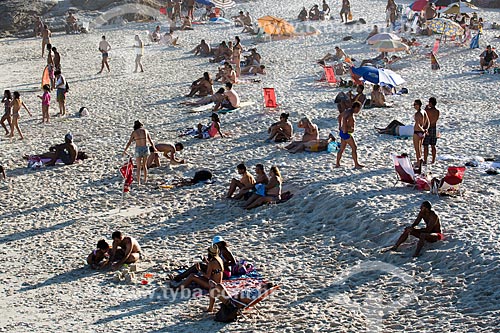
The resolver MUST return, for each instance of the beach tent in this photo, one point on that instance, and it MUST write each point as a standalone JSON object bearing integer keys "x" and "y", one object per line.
{"x": 419, "y": 5}
{"x": 390, "y": 46}
{"x": 445, "y": 27}
{"x": 378, "y": 75}
{"x": 275, "y": 26}
{"x": 224, "y": 4}
{"x": 382, "y": 36}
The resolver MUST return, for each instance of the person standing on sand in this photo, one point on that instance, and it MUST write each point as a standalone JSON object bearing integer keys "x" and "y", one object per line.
{"x": 190, "y": 7}
{"x": 141, "y": 137}
{"x": 139, "y": 52}
{"x": 61, "y": 92}
{"x": 346, "y": 128}
{"x": 431, "y": 233}
{"x": 56, "y": 59}
{"x": 177, "y": 10}
{"x": 236, "y": 56}
{"x": 16, "y": 107}
{"x": 7, "y": 102}
{"x": 45, "y": 103}
{"x": 104, "y": 48}
{"x": 46, "y": 34}
{"x": 419, "y": 129}
{"x": 344, "y": 12}
{"x": 431, "y": 137}
{"x": 125, "y": 250}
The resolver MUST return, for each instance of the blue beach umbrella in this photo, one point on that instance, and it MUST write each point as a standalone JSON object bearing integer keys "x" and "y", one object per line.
{"x": 205, "y": 2}
{"x": 378, "y": 75}
{"x": 474, "y": 43}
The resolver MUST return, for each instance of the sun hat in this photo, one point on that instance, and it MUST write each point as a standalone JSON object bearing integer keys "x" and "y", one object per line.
{"x": 213, "y": 250}
{"x": 217, "y": 239}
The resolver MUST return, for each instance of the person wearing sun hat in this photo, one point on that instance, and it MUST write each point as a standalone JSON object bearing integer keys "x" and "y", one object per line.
{"x": 225, "y": 254}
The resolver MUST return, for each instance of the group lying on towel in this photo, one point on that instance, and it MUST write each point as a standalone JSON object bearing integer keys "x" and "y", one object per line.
{"x": 66, "y": 153}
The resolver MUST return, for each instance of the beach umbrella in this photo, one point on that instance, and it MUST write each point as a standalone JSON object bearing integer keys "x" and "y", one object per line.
{"x": 382, "y": 36}
{"x": 474, "y": 43}
{"x": 444, "y": 3}
{"x": 459, "y": 8}
{"x": 445, "y": 27}
{"x": 205, "y": 3}
{"x": 390, "y": 46}
{"x": 224, "y": 4}
{"x": 419, "y": 5}
{"x": 275, "y": 26}
{"x": 378, "y": 75}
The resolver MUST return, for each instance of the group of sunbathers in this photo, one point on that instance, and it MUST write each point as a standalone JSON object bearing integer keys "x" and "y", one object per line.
{"x": 314, "y": 13}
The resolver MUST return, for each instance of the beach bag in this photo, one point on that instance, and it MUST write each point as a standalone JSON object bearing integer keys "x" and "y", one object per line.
{"x": 202, "y": 176}
{"x": 349, "y": 16}
{"x": 227, "y": 313}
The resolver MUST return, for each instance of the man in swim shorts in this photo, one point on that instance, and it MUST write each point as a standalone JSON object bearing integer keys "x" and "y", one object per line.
{"x": 231, "y": 100}
{"x": 104, "y": 48}
{"x": 431, "y": 137}
{"x": 346, "y": 128}
{"x": 67, "y": 152}
{"x": 431, "y": 233}
{"x": 125, "y": 250}
{"x": 168, "y": 151}
{"x": 246, "y": 181}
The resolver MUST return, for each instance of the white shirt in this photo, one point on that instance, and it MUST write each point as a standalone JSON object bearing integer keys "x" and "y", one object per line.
{"x": 61, "y": 82}
{"x": 139, "y": 48}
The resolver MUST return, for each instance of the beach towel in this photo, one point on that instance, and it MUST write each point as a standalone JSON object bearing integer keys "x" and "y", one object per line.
{"x": 127, "y": 172}
{"x": 474, "y": 43}
{"x": 36, "y": 162}
{"x": 45, "y": 76}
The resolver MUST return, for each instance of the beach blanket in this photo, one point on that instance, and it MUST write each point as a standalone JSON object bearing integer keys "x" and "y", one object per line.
{"x": 211, "y": 105}
{"x": 36, "y": 162}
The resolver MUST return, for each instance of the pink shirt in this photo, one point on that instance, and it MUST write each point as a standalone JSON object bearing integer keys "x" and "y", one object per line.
{"x": 46, "y": 98}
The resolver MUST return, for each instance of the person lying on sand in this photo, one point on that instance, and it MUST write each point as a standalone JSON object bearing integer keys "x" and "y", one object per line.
{"x": 281, "y": 131}
{"x": 338, "y": 56}
{"x": 253, "y": 70}
{"x": 214, "y": 272}
{"x": 125, "y": 250}
{"x": 269, "y": 193}
{"x": 396, "y": 128}
{"x": 168, "y": 151}
{"x": 99, "y": 258}
{"x": 243, "y": 298}
{"x": 247, "y": 181}
{"x": 313, "y": 146}
{"x": 382, "y": 57}
{"x": 225, "y": 254}
{"x": 231, "y": 100}
{"x": 203, "y": 86}
{"x": 431, "y": 233}
{"x": 310, "y": 133}
{"x": 203, "y": 49}
{"x": 218, "y": 97}
{"x": 67, "y": 152}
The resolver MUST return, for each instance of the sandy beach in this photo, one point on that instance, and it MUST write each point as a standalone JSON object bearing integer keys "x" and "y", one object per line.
{"x": 322, "y": 247}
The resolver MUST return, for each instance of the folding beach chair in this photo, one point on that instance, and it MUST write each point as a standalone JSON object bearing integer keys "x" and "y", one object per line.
{"x": 270, "y": 101}
{"x": 253, "y": 304}
{"x": 451, "y": 183}
{"x": 404, "y": 170}
{"x": 330, "y": 75}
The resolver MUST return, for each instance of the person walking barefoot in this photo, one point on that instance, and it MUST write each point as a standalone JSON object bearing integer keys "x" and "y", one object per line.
{"x": 346, "y": 125}
{"x": 141, "y": 137}
{"x": 104, "y": 48}
{"x": 139, "y": 52}
{"x": 7, "y": 102}
{"x": 17, "y": 103}
{"x": 45, "y": 103}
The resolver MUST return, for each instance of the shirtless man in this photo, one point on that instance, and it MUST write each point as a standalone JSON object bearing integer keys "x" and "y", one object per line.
{"x": 71, "y": 20}
{"x": 46, "y": 34}
{"x": 347, "y": 100}
{"x": 419, "y": 129}
{"x": 56, "y": 59}
{"x": 168, "y": 151}
{"x": 260, "y": 179}
{"x": 346, "y": 127}
{"x": 431, "y": 137}
{"x": 125, "y": 250}
{"x": 378, "y": 97}
{"x": 431, "y": 233}
{"x": 487, "y": 58}
{"x": 282, "y": 130}
{"x": 67, "y": 152}
{"x": 104, "y": 48}
{"x": 246, "y": 180}
{"x": 141, "y": 137}
{"x": 231, "y": 99}
{"x": 253, "y": 70}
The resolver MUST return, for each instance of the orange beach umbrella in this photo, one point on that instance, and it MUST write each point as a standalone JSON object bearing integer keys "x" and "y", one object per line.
{"x": 275, "y": 26}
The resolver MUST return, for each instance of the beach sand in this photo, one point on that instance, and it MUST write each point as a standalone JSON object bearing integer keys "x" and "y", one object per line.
{"x": 322, "y": 246}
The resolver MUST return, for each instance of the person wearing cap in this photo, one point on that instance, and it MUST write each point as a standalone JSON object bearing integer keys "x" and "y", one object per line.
{"x": 67, "y": 152}
{"x": 225, "y": 254}
{"x": 214, "y": 272}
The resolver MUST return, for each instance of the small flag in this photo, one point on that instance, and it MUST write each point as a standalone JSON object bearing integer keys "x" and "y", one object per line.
{"x": 127, "y": 172}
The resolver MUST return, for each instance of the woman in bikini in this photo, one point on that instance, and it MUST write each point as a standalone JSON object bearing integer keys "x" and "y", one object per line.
{"x": 206, "y": 132}
{"x": 17, "y": 103}
{"x": 236, "y": 57}
{"x": 272, "y": 190}
{"x": 141, "y": 137}
{"x": 7, "y": 102}
{"x": 420, "y": 128}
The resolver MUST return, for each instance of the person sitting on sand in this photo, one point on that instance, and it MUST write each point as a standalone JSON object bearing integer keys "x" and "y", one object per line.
{"x": 253, "y": 59}
{"x": 223, "y": 52}
{"x": 187, "y": 23}
{"x": 210, "y": 131}
{"x": 99, "y": 258}
{"x": 231, "y": 100}
{"x": 246, "y": 181}
{"x": 313, "y": 145}
{"x": 261, "y": 178}
{"x": 72, "y": 23}
{"x": 272, "y": 191}
{"x": 155, "y": 36}
{"x": 314, "y": 13}
{"x": 67, "y": 152}
{"x": 2, "y": 173}
{"x": 311, "y": 133}
{"x": 218, "y": 97}
{"x": 238, "y": 19}
{"x": 126, "y": 250}
{"x": 378, "y": 98}
{"x": 214, "y": 272}
{"x": 168, "y": 151}
{"x": 169, "y": 39}
{"x": 203, "y": 86}
{"x": 227, "y": 74}
{"x": 346, "y": 101}
{"x": 203, "y": 49}
{"x": 247, "y": 23}
{"x": 372, "y": 33}
{"x": 431, "y": 233}
{"x": 338, "y": 56}
{"x": 396, "y": 128}
{"x": 487, "y": 58}
{"x": 253, "y": 70}
{"x": 303, "y": 14}
{"x": 240, "y": 300}
{"x": 281, "y": 131}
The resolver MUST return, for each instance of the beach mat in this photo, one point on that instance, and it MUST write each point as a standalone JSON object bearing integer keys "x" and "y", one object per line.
{"x": 211, "y": 105}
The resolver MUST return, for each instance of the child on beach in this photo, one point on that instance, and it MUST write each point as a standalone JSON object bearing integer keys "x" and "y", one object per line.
{"x": 45, "y": 103}
{"x": 7, "y": 101}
